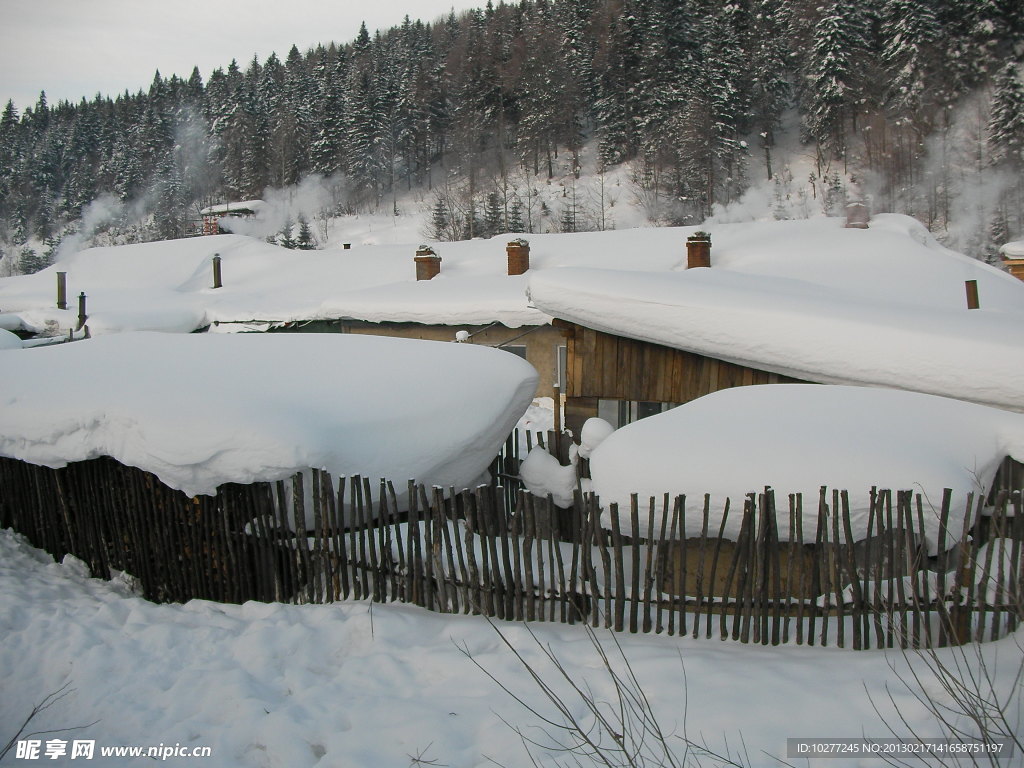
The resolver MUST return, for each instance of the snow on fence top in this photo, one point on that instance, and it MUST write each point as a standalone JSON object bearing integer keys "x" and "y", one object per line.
{"x": 799, "y": 437}
{"x": 884, "y": 307}
{"x": 199, "y": 410}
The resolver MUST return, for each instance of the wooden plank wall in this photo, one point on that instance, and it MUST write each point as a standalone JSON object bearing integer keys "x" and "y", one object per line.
{"x": 601, "y": 365}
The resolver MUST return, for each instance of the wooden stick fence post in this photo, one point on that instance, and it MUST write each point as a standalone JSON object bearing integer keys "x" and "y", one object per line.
{"x": 253, "y": 542}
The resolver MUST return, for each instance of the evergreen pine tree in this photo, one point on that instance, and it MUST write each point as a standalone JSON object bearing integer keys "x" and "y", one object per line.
{"x": 1006, "y": 123}
{"x": 515, "y": 216}
{"x": 285, "y": 238}
{"x": 440, "y": 221}
{"x": 911, "y": 32}
{"x": 305, "y": 241}
{"x": 494, "y": 216}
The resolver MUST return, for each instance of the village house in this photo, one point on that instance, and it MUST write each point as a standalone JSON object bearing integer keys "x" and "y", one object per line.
{"x": 212, "y": 215}
{"x": 623, "y": 323}
{"x": 1013, "y": 258}
{"x": 471, "y": 292}
{"x": 879, "y": 306}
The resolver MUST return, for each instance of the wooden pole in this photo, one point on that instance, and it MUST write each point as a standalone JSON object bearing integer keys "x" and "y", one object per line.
{"x": 62, "y": 290}
{"x": 972, "y": 294}
{"x": 82, "y": 316}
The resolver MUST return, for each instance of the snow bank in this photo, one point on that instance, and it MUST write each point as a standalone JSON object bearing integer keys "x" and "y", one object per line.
{"x": 542, "y": 474}
{"x": 594, "y": 432}
{"x": 281, "y": 686}
{"x": 8, "y": 340}
{"x": 796, "y": 438}
{"x": 199, "y": 410}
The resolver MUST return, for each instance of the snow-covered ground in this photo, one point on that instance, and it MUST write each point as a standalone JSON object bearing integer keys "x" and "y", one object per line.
{"x": 284, "y": 686}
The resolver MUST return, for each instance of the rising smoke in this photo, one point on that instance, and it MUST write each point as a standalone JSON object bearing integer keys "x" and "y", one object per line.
{"x": 311, "y": 199}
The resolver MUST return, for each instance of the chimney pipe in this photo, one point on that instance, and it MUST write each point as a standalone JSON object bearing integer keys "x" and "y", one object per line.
{"x": 82, "y": 314}
{"x": 698, "y": 250}
{"x": 428, "y": 263}
{"x": 857, "y": 215}
{"x": 62, "y": 290}
{"x": 518, "y": 256}
{"x": 972, "y": 294}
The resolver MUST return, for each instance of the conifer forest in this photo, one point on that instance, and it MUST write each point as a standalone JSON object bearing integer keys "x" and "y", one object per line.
{"x": 917, "y": 105}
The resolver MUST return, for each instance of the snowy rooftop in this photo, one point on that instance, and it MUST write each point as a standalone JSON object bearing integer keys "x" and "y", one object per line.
{"x": 168, "y": 285}
{"x": 199, "y": 410}
{"x": 808, "y": 298}
{"x": 1013, "y": 250}
{"x": 798, "y": 437}
{"x": 244, "y": 207}
{"x": 884, "y": 307}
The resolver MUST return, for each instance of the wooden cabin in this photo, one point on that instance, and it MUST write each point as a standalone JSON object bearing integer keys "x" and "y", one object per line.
{"x": 622, "y": 380}
{"x": 214, "y": 214}
{"x": 1013, "y": 259}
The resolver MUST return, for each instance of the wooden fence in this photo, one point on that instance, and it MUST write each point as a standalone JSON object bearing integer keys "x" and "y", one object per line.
{"x": 507, "y": 554}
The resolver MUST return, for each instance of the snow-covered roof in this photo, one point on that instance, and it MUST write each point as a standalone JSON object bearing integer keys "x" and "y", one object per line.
{"x": 199, "y": 410}
{"x": 798, "y": 437}
{"x": 1013, "y": 250}
{"x": 806, "y": 298}
{"x": 884, "y": 306}
{"x": 226, "y": 209}
{"x": 167, "y": 286}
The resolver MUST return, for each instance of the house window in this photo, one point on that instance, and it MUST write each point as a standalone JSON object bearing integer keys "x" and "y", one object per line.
{"x": 645, "y": 409}
{"x": 515, "y": 349}
{"x": 619, "y": 413}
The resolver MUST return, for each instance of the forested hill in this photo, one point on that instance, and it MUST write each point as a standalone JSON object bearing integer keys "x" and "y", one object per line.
{"x": 689, "y": 92}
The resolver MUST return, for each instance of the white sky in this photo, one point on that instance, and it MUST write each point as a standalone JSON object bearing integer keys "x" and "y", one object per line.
{"x": 76, "y": 48}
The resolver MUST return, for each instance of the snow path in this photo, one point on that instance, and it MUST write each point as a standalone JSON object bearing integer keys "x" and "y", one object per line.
{"x": 344, "y": 685}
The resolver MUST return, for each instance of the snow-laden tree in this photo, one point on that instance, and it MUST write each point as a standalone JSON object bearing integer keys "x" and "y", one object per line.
{"x": 1006, "y": 123}
{"x": 909, "y": 55}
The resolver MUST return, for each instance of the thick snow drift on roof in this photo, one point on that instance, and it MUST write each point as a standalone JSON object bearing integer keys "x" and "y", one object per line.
{"x": 199, "y": 410}
{"x": 1013, "y": 250}
{"x": 799, "y": 437}
{"x": 226, "y": 208}
{"x": 818, "y": 302}
{"x": 168, "y": 286}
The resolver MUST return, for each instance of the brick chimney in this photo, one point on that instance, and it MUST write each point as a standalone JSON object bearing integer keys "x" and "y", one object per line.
{"x": 698, "y": 250}
{"x": 518, "y": 256}
{"x": 857, "y": 215}
{"x": 428, "y": 263}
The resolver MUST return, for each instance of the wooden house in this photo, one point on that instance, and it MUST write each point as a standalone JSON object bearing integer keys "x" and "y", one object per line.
{"x": 783, "y": 311}
{"x": 622, "y": 379}
{"x": 1013, "y": 258}
{"x": 487, "y": 308}
{"x": 213, "y": 215}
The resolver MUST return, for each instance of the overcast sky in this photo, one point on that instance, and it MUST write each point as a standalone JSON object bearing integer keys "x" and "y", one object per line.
{"x": 76, "y": 48}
